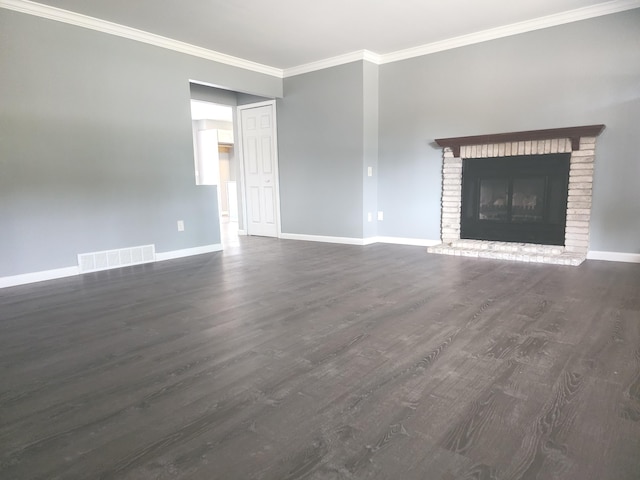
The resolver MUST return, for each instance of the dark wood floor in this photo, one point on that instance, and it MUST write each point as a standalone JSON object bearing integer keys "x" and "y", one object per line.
{"x": 292, "y": 360}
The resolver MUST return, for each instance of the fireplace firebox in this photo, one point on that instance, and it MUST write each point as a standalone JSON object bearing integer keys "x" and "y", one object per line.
{"x": 516, "y": 199}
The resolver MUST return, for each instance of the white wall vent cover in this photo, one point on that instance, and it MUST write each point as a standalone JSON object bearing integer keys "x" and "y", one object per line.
{"x": 123, "y": 257}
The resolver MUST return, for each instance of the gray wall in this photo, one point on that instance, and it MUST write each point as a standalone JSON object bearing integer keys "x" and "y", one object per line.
{"x": 213, "y": 95}
{"x": 245, "y": 99}
{"x": 577, "y": 74}
{"x": 96, "y": 144}
{"x": 320, "y": 148}
{"x": 370, "y": 96}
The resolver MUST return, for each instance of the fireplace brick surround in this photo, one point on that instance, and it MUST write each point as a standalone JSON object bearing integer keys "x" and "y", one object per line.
{"x": 579, "y": 141}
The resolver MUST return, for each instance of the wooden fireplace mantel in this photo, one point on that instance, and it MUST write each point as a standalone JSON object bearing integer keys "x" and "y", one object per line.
{"x": 572, "y": 133}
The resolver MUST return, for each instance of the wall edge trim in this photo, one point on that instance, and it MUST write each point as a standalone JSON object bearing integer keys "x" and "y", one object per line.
{"x": 188, "y": 252}
{"x": 578, "y": 14}
{"x": 613, "y": 256}
{"x": 34, "y": 277}
{"x": 323, "y": 238}
{"x": 416, "y": 242}
{"x": 583, "y": 13}
{"x": 92, "y": 23}
{"x": 111, "y": 28}
{"x": 359, "y": 55}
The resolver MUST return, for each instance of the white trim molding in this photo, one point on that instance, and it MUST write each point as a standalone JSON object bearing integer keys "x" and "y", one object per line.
{"x": 571, "y": 16}
{"x": 323, "y": 238}
{"x": 357, "y": 56}
{"x": 416, "y": 242}
{"x": 614, "y": 256}
{"x": 72, "y": 18}
{"x": 188, "y": 252}
{"x": 34, "y": 277}
{"x": 92, "y": 23}
{"x": 554, "y": 20}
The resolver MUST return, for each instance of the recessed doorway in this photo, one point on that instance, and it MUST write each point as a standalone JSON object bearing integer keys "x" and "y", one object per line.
{"x": 215, "y": 161}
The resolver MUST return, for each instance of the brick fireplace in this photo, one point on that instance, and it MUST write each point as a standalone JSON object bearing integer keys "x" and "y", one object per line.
{"x": 579, "y": 142}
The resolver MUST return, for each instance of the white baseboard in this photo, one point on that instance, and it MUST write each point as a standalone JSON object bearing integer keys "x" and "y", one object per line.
{"x": 614, "y": 256}
{"x": 42, "y": 276}
{"x": 242, "y": 232}
{"x": 34, "y": 277}
{"x": 323, "y": 238}
{"x": 187, "y": 252}
{"x": 417, "y": 242}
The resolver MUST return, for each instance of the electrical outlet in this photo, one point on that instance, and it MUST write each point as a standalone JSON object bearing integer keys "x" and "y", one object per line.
{"x": 369, "y": 217}
{"x": 370, "y": 171}
{"x": 380, "y": 216}
{"x": 181, "y": 225}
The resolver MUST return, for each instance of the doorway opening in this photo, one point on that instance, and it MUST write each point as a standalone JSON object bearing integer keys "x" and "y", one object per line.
{"x": 243, "y": 126}
{"x": 215, "y": 161}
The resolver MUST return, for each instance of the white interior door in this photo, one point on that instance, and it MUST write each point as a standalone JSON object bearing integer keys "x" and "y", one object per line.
{"x": 260, "y": 170}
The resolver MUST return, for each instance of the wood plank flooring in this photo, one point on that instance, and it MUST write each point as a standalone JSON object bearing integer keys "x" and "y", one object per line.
{"x": 294, "y": 360}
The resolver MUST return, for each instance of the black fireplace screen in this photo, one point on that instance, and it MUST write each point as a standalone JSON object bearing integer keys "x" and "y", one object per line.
{"x": 515, "y": 199}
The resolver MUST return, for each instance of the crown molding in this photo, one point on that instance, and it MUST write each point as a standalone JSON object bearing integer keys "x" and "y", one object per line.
{"x": 571, "y": 16}
{"x": 365, "y": 55}
{"x": 79, "y": 20}
{"x": 65, "y": 16}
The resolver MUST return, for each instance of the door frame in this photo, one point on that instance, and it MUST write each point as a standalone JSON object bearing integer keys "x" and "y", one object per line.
{"x": 239, "y": 109}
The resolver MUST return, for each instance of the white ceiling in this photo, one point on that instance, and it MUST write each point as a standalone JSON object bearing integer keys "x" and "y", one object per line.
{"x": 289, "y": 33}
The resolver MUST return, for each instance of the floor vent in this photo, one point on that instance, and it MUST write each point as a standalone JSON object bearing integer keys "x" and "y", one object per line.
{"x": 123, "y": 257}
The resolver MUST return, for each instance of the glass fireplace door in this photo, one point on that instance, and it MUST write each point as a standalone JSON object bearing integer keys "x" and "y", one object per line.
{"x": 494, "y": 199}
{"x": 518, "y": 199}
{"x": 512, "y": 200}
